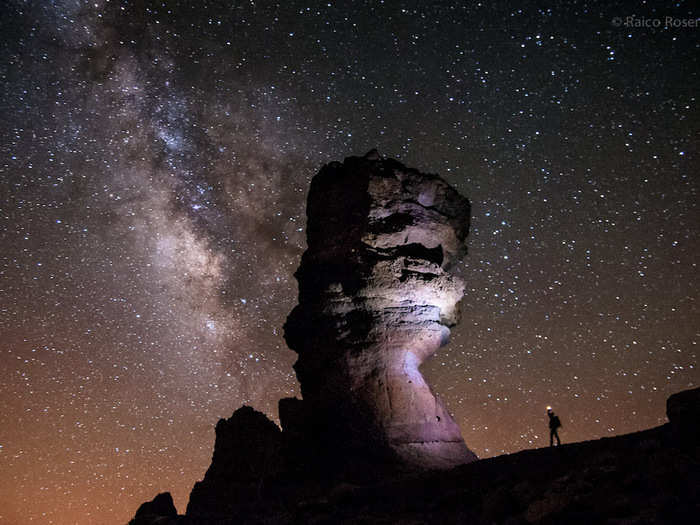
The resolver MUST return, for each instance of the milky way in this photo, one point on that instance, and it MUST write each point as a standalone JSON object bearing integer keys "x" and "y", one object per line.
{"x": 155, "y": 162}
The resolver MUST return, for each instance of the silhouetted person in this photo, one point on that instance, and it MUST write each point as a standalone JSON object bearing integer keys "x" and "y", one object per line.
{"x": 554, "y": 424}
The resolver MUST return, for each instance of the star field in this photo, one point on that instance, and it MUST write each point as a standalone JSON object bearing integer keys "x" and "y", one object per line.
{"x": 155, "y": 159}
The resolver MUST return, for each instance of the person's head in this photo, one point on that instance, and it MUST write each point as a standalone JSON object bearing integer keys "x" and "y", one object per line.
{"x": 549, "y": 411}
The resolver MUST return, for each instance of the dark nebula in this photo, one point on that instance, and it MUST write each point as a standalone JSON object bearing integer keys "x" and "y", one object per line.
{"x": 155, "y": 162}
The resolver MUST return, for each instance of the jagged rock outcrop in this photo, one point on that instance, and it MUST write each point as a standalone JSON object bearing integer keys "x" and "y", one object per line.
{"x": 375, "y": 300}
{"x": 159, "y": 510}
{"x": 247, "y": 452}
{"x": 683, "y": 409}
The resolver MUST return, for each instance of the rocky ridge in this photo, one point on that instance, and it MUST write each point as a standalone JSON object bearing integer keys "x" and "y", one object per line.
{"x": 643, "y": 478}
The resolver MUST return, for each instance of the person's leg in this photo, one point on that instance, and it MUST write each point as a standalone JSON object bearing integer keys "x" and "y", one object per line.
{"x": 556, "y": 433}
{"x": 551, "y": 437}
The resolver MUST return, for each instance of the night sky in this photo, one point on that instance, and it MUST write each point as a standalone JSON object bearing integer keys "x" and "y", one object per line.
{"x": 155, "y": 160}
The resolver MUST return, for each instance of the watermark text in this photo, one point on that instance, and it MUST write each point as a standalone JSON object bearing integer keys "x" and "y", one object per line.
{"x": 666, "y": 22}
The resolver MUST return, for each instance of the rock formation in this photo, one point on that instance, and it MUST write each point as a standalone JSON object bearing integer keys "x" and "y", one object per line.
{"x": 375, "y": 301}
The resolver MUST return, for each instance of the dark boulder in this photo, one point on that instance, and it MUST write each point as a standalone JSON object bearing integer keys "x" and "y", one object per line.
{"x": 246, "y": 454}
{"x": 160, "y": 510}
{"x": 683, "y": 409}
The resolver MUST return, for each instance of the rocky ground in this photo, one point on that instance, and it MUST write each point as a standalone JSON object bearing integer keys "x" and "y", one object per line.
{"x": 648, "y": 477}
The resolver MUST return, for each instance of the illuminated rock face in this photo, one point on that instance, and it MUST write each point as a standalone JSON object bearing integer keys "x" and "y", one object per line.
{"x": 376, "y": 300}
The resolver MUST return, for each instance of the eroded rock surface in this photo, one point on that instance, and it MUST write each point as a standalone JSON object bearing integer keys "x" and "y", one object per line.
{"x": 375, "y": 300}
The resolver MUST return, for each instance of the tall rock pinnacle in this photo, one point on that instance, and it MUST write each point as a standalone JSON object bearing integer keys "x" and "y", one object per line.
{"x": 375, "y": 301}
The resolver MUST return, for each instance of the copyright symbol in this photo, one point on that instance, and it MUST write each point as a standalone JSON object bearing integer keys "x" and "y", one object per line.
{"x": 617, "y": 21}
